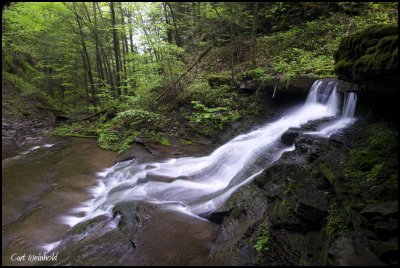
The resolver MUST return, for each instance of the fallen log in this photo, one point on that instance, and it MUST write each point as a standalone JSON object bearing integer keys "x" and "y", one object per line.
{"x": 90, "y": 116}
{"x": 80, "y": 136}
{"x": 50, "y": 109}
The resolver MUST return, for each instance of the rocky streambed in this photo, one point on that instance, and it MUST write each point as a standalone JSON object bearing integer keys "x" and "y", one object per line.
{"x": 304, "y": 211}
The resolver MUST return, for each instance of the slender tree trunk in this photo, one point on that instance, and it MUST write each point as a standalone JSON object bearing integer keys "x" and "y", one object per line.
{"x": 99, "y": 64}
{"x": 85, "y": 53}
{"x": 169, "y": 30}
{"x": 178, "y": 39}
{"x": 75, "y": 89}
{"x": 62, "y": 98}
{"x": 233, "y": 53}
{"x": 86, "y": 81}
{"x": 254, "y": 36}
{"x": 116, "y": 49}
{"x": 87, "y": 93}
{"x": 131, "y": 31}
{"x": 124, "y": 49}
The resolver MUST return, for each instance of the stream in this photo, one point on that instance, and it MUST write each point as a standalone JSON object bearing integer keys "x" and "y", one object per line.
{"x": 39, "y": 185}
{"x": 67, "y": 197}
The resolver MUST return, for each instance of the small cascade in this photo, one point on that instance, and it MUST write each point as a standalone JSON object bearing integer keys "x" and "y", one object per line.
{"x": 347, "y": 118}
{"x": 321, "y": 90}
{"x": 349, "y": 105}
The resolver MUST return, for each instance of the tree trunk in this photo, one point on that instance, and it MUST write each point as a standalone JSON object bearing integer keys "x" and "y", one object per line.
{"x": 124, "y": 49}
{"x": 87, "y": 59}
{"x": 169, "y": 30}
{"x": 254, "y": 36}
{"x": 116, "y": 49}
{"x": 178, "y": 39}
{"x": 99, "y": 64}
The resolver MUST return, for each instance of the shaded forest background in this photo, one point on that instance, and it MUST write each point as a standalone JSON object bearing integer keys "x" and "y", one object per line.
{"x": 167, "y": 68}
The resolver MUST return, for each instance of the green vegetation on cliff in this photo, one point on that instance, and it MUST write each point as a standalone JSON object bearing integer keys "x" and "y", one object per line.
{"x": 368, "y": 55}
{"x": 184, "y": 65}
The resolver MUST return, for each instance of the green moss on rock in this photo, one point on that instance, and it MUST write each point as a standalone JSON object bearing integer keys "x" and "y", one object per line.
{"x": 217, "y": 80}
{"x": 369, "y": 55}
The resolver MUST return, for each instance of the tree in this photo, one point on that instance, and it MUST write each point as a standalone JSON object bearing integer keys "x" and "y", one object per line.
{"x": 116, "y": 49}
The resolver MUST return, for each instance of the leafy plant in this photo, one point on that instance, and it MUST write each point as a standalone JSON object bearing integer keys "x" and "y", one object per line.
{"x": 216, "y": 117}
{"x": 263, "y": 238}
{"x": 337, "y": 220}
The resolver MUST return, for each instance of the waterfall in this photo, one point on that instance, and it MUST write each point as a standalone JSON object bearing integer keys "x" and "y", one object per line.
{"x": 198, "y": 185}
{"x": 347, "y": 118}
{"x": 349, "y": 105}
{"x": 321, "y": 90}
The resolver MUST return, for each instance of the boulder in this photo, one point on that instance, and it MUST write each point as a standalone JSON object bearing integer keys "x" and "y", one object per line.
{"x": 289, "y": 136}
{"x": 381, "y": 209}
{"x": 352, "y": 250}
{"x": 248, "y": 86}
{"x": 369, "y": 55}
{"x": 387, "y": 251}
{"x": 219, "y": 80}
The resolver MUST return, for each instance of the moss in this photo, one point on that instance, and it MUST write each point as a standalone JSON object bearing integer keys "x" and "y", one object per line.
{"x": 289, "y": 187}
{"x": 186, "y": 142}
{"x": 164, "y": 141}
{"x": 216, "y": 80}
{"x": 282, "y": 209}
{"x": 83, "y": 129}
{"x": 304, "y": 261}
{"x": 375, "y": 162}
{"x": 368, "y": 55}
{"x": 327, "y": 172}
{"x": 336, "y": 221}
{"x": 118, "y": 134}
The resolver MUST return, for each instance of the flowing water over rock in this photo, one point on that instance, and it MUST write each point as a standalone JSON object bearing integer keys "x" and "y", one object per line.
{"x": 156, "y": 212}
{"x": 197, "y": 186}
{"x": 38, "y": 186}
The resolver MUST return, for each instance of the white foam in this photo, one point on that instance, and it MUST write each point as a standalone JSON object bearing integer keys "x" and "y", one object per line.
{"x": 50, "y": 246}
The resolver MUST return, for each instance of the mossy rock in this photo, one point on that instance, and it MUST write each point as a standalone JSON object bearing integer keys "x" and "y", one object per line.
{"x": 369, "y": 55}
{"x": 217, "y": 80}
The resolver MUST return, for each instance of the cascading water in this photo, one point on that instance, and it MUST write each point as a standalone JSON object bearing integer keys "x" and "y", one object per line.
{"x": 349, "y": 105}
{"x": 200, "y": 185}
{"x": 347, "y": 119}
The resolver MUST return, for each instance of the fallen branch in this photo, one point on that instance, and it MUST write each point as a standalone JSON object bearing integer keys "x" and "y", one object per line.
{"x": 90, "y": 116}
{"x": 51, "y": 109}
{"x": 202, "y": 55}
{"x": 79, "y": 136}
{"x": 199, "y": 58}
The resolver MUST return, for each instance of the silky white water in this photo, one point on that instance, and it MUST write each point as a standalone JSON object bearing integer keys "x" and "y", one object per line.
{"x": 346, "y": 120}
{"x": 199, "y": 185}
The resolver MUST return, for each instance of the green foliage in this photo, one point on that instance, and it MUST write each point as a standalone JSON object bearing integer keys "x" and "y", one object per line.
{"x": 223, "y": 96}
{"x": 215, "y": 117}
{"x": 83, "y": 128}
{"x": 308, "y": 47}
{"x": 164, "y": 141}
{"x": 27, "y": 88}
{"x": 119, "y": 133}
{"x": 217, "y": 80}
{"x": 137, "y": 118}
{"x": 263, "y": 238}
{"x": 258, "y": 74}
{"x": 337, "y": 220}
{"x": 290, "y": 186}
{"x": 376, "y": 161}
{"x": 186, "y": 142}
{"x": 303, "y": 49}
{"x": 201, "y": 91}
